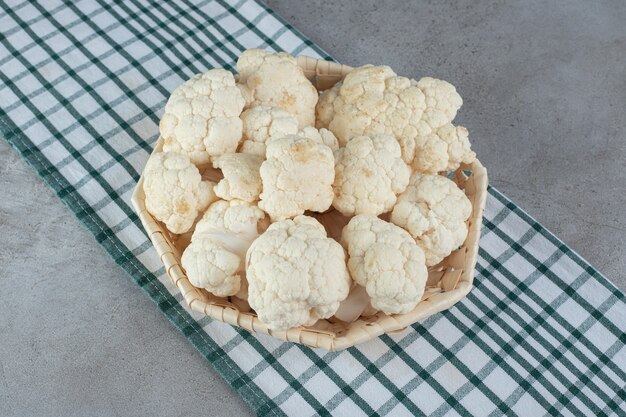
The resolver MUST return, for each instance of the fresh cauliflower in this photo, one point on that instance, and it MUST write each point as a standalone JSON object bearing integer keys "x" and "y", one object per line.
{"x": 374, "y": 100}
{"x": 263, "y": 123}
{"x": 175, "y": 192}
{"x": 322, "y": 135}
{"x": 277, "y": 80}
{"x": 369, "y": 174}
{"x": 358, "y": 304}
{"x": 443, "y": 150}
{"x": 297, "y": 175}
{"x": 459, "y": 147}
{"x": 242, "y": 179}
{"x": 202, "y": 117}
{"x": 442, "y": 101}
{"x": 433, "y": 210}
{"x": 385, "y": 260}
{"x": 296, "y": 274}
{"x": 215, "y": 258}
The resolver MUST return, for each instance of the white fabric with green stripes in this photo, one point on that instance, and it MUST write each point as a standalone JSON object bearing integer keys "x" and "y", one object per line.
{"x": 82, "y": 87}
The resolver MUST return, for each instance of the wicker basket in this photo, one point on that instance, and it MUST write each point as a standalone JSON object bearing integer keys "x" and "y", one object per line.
{"x": 448, "y": 282}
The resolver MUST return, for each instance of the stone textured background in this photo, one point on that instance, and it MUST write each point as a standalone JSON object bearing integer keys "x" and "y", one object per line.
{"x": 544, "y": 86}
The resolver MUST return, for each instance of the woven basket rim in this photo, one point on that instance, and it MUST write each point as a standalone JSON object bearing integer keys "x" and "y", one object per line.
{"x": 454, "y": 283}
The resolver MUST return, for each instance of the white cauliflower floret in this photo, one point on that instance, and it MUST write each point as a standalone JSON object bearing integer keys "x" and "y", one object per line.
{"x": 277, "y": 80}
{"x": 322, "y": 135}
{"x": 264, "y": 123}
{"x": 202, "y": 117}
{"x": 385, "y": 260}
{"x": 297, "y": 175}
{"x": 325, "y": 109}
{"x": 431, "y": 154}
{"x": 296, "y": 274}
{"x": 459, "y": 148}
{"x": 374, "y": 100}
{"x": 175, "y": 192}
{"x": 433, "y": 210}
{"x": 215, "y": 259}
{"x": 369, "y": 174}
{"x": 242, "y": 178}
{"x": 442, "y": 101}
{"x": 443, "y": 150}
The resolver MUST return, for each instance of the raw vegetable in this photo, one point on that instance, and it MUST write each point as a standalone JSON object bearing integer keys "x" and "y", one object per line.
{"x": 263, "y": 123}
{"x": 385, "y": 260}
{"x": 322, "y": 135}
{"x": 369, "y": 174}
{"x": 433, "y": 210}
{"x": 277, "y": 80}
{"x": 445, "y": 149}
{"x": 202, "y": 117}
{"x": 297, "y": 175}
{"x": 242, "y": 179}
{"x": 296, "y": 275}
{"x": 374, "y": 100}
{"x": 175, "y": 192}
{"x": 215, "y": 258}
{"x": 320, "y": 208}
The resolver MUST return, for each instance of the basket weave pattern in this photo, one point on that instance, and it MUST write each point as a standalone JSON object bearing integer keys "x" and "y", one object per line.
{"x": 448, "y": 282}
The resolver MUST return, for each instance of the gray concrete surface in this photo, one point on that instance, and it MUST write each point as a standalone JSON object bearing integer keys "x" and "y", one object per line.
{"x": 545, "y": 102}
{"x": 77, "y": 336}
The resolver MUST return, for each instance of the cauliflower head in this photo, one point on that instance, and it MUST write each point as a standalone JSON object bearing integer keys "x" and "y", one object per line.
{"x": 442, "y": 101}
{"x": 264, "y": 123}
{"x": 277, "y": 80}
{"x": 175, "y": 192}
{"x": 369, "y": 174}
{"x": 297, "y": 175}
{"x": 385, "y": 260}
{"x": 433, "y": 210}
{"x": 459, "y": 147}
{"x": 445, "y": 149}
{"x": 202, "y": 117}
{"x": 322, "y": 135}
{"x": 242, "y": 179}
{"x": 296, "y": 274}
{"x": 374, "y": 100}
{"x": 215, "y": 258}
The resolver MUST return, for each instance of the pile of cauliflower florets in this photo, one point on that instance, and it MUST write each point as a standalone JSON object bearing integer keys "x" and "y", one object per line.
{"x": 328, "y": 205}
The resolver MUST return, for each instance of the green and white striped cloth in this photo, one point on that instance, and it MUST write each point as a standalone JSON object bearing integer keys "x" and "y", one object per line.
{"x": 82, "y": 87}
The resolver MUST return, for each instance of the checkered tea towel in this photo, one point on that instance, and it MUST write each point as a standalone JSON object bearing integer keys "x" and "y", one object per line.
{"x": 82, "y": 86}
